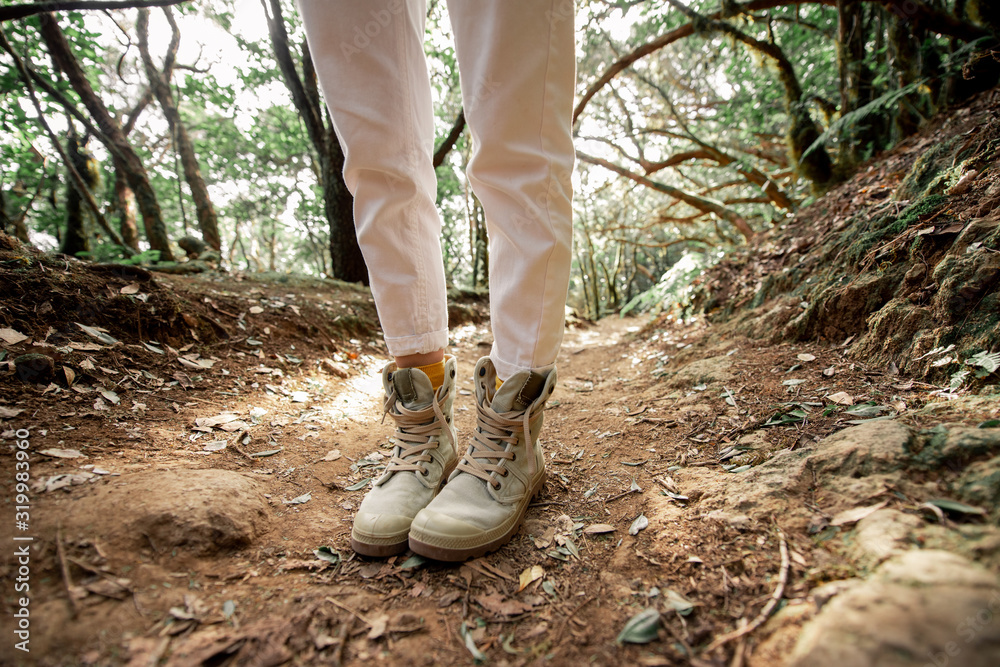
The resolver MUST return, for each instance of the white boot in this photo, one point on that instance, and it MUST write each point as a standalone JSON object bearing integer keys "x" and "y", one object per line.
{"x": 484, "y": 501}
{"x": 422, "y": 459}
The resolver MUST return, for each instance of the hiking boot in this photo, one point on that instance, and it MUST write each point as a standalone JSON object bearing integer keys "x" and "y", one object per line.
{"x": 485, "y": 499}
{"x": 423, "y": 457}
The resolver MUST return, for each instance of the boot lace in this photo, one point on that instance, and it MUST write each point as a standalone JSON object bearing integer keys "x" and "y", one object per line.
{"x": 494, "y": 441}
{"x": 414, "y": 429}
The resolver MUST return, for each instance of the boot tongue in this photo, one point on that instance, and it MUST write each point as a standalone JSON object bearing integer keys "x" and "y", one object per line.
{"x": 519, "y": 392}
{"x": 413, "y": 388}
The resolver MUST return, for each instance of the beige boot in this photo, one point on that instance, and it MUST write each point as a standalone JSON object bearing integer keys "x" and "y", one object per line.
{"x": 422, "y": 459}
{"x": 484, "y": 501}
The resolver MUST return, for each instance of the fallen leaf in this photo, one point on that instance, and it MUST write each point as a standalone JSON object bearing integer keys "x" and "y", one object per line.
{"x": 84, "y": 347}
{"x": 98, "y": 333}
{"x": 841, "y": 398}
{"x": 218, "y": 420}
{"x": 640, "y": 523}
{"x": 304, "y": 498}
{"x": 268, "y": 452}
{"x": 63, "y": 453}
{"x": 111, "y": 396}
{"x": 470, "y": 644}
{"x": 9, "y": 413}
{"x": 12, "y": 337}
{"x": 300, "y": 397}
{"x": 674, "y": 600}
{"x": 806, "y": 357}
{"x": 952, "y": 506}
{"x": 642, "y": 628}
{"x": 256, "y": 310}
{"x": 327, "y": 554}
{"x": 129, "y": 289}
{"x": 331, "y": 455}
{"x": 856, "y": 514}
{"x": 533, "y": 573}
{"x": 499, "y": 605}
{"x": 598, "y": 528}
{"x": 378, "y": 626}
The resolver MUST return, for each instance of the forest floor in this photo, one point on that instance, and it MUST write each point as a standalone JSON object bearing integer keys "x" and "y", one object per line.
{"x": 766, "y": 488}
{"x": 191, "y": 505}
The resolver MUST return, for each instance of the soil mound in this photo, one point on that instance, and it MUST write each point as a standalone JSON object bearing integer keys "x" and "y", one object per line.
{"x": 901, "y": 263}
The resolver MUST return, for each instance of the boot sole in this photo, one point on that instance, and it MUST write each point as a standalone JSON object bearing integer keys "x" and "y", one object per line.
{"x": 450, "y": 555}
{"x": 378, "y": 549}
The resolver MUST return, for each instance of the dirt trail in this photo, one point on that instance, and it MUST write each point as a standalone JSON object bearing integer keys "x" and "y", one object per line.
{"x": 207, "y": 520}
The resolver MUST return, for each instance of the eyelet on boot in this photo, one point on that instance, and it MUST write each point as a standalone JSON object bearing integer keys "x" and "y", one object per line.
{"x": 424, "y": 471}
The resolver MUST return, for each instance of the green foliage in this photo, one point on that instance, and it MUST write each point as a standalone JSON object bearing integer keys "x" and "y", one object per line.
{"x": 675, "y": 286}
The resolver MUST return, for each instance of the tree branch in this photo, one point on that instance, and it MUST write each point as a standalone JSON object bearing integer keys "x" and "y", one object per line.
{"x": 20, "y": 11}
{"x": 929, "y": 18}
{"x": 450, "y": 140}
{"x": 699, "y": 203}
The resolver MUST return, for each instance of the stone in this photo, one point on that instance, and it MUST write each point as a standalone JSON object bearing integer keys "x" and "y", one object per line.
{"x": 204, "y": 511}
{"x": 954, "y": 445}
{"x": 980, "y": 483}
{"x": 873, "y": 447}
{"x": 882, "y": 534}
{"x": 918, "y": 608}
{"x": 35, "y": 368}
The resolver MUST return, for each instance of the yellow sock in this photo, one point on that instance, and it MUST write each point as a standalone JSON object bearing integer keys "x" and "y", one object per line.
{"x": 435, "y": 372}
{"x": 499, "y": 383}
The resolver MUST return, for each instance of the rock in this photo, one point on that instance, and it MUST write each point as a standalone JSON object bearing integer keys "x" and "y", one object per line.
{"x": 35, "y": 368}
{"x": 200, "y": 510}
{"x": 980, "y": 483}
{"x": 703, "y": 371}
{"x": 335, "y": 368}
{"x": 882, "y": 534}
{"x": 918, "y": 608}
{"x": 862, "y": 450}
{"x": 735, "y": 520}
{"x": 954, "y": 444}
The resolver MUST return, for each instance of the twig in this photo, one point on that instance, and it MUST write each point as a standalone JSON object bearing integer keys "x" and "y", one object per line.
{"x": 769, "y": 608}
{"x": 622, "y": 495}
{"x": 67, "y": 579}
{"x": 350, "y": 611}
{"x": 342, "y": 634}
{"x": 570, "y": 615}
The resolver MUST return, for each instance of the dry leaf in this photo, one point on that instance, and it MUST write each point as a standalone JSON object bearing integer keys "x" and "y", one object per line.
{"x": 129, "y": 289}
{"x": 331, "y": 455}
{"x": 498, "y": 605}
{"x": 9, "y": 413}
{"x": 857, "y": 514}
{"x": 218, "y": 420}
{"x": 806, "y": 357}
{"x": 841, "y": 398}
{"x": 62, "y": 453}
{"x": 12, "y": 337}
{"x": 379, "y": 626}
{"x": 598, "y": 528}
{"x": 533, "y": 573}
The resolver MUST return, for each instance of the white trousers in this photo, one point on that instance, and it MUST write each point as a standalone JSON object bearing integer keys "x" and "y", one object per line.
{"x": 517, "y": 70}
